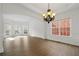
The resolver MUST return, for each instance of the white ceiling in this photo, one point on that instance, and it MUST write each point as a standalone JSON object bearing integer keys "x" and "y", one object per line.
{"x": 35, "y": 10}
{"x": 56, "y": 7}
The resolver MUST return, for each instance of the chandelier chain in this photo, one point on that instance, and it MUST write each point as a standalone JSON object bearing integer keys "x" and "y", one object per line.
{"x": 48, "y": 5}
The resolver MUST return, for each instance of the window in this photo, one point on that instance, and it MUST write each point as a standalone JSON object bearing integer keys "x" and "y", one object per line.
{"x": 11, "y": 30}
{"x": 61, "y": 27}
{"x": 55, "y": 27}
{"x": 65, "y": 27}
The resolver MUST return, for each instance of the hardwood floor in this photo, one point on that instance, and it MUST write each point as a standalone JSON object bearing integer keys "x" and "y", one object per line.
{"x": 1, "y": 54}
{"x": 34, "y": 46}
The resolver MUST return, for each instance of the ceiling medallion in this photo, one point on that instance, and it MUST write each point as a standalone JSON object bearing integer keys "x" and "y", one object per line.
{"x": 49, "y": 15}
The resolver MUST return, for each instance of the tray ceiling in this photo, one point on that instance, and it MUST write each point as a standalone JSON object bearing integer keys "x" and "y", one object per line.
{"x": 56, "y": 7}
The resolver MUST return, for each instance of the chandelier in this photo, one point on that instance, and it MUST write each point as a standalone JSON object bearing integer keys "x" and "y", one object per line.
{"x": 49, "y": 15}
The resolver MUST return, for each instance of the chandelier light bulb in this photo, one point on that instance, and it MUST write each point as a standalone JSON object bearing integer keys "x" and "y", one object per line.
{"x": 54, "y": 14}
{"x": 48, "y": 13}
{"x": 44, "y": 15}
